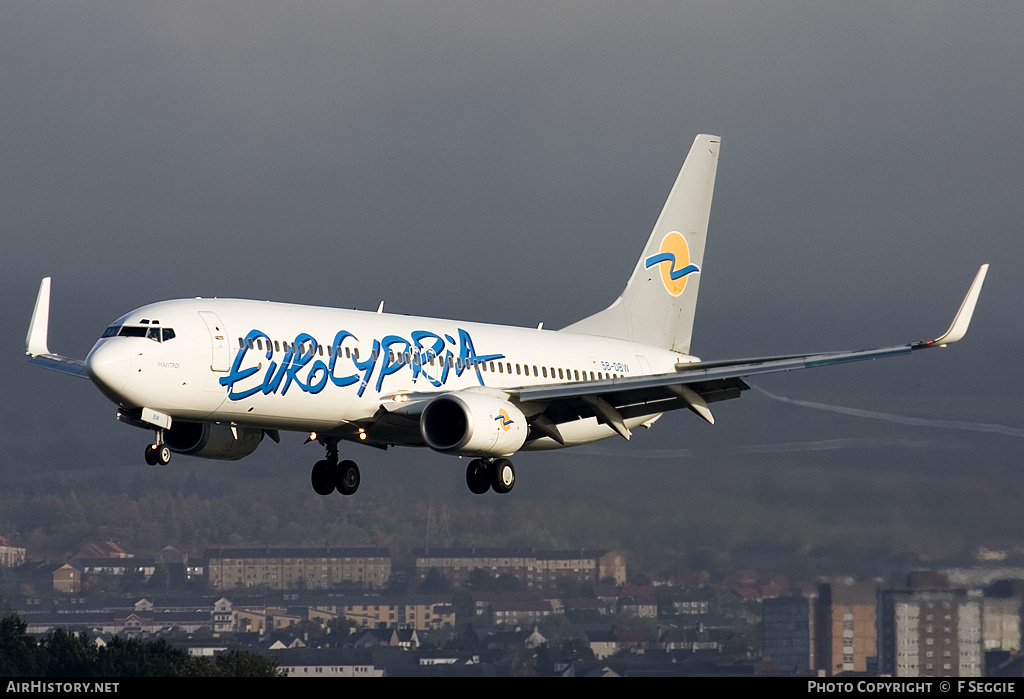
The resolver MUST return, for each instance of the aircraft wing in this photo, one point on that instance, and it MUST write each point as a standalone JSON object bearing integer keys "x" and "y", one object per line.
{"x": 36, "y": 341}
{"x": 694, "y": 385}
{"x": 65, "y": 365}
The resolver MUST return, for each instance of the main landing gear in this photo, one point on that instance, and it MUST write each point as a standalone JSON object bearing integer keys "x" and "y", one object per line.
{"x": 329, "y": 474}
{"x": 484, "y": 474}
{"x": 158, "y": 453}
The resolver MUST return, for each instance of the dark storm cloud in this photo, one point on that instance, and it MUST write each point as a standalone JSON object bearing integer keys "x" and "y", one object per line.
{"x": 505, "y": 162}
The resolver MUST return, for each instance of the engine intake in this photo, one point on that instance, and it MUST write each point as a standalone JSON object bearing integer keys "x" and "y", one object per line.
{"x": 212, "y": 441}
{"x": 473, "y": 424}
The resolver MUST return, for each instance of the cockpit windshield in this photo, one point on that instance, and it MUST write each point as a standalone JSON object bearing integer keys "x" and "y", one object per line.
{"x": 155, "y": 333}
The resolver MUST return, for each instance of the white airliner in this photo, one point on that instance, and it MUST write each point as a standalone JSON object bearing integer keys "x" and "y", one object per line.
{"x": 212, "y": 377}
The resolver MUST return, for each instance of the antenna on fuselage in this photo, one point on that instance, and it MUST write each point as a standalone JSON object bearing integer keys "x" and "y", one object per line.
{"x": 380, "y": 308}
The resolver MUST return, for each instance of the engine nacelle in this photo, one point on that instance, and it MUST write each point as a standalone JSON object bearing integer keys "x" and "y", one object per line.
{"x": 212, "y": 441}
{"x": 473, "y": 424}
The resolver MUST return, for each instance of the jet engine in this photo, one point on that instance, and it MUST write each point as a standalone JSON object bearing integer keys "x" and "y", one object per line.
{"x": 473, "y": 424}
{"x": 212, "y": 441}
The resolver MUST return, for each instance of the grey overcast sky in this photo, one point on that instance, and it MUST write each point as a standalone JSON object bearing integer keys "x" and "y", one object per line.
{"x": 505, "y": 162}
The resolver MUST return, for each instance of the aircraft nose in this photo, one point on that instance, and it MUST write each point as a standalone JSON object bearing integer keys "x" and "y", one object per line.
{"x": 108, "y": 365}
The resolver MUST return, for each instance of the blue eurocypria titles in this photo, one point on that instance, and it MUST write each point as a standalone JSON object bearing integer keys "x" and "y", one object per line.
{"x": 301, "y": 367}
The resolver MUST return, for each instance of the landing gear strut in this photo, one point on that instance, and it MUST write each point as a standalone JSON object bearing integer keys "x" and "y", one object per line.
{"x": 484, "y": 474}
{"x": 329, "y": 474}
{"x": 158, "y": 452}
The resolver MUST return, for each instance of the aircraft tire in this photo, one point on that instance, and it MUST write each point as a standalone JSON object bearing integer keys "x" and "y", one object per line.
{"x": 151, "y": 455}
{"x": 477, "y": 477}
{"x": 503, "y": 476}
{"x": 323, "y": 483}
{"x": 163, "y": 454}
{"x": 347, "y": 477}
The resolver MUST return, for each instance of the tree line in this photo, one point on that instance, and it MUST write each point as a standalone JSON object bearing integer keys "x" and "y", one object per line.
{"x": 62, "y": 653}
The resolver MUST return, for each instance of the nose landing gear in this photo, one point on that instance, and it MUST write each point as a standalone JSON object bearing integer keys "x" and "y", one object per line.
{"x": 158, "y": 453}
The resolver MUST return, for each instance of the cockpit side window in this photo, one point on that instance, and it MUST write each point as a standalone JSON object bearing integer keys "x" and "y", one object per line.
{"x": 111, "y": 331}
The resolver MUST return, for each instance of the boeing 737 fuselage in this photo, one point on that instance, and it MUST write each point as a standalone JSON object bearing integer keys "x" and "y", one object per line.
{"x": 212, "y": 377}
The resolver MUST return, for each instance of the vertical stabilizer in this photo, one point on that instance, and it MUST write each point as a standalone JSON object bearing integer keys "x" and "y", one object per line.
{"x": 658, "y": 304}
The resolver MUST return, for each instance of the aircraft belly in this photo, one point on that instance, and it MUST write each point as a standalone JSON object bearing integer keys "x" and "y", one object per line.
{"x": 296, "y": 411}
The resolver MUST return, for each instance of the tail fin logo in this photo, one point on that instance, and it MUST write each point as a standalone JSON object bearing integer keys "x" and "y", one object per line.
{"x": 676, "y": 253}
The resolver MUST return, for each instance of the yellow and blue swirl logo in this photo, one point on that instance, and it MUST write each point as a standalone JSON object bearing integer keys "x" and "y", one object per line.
{"x": 503, "y": 420}
{"x": 673, "y": 259}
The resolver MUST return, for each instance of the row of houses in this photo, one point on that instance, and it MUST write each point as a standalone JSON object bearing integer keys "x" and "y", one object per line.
{"x": 275, "y": 611}
{"x": 226, "y": 569}
{"x": 257, "y": 614}
{"x": 311, "y": 569}
{"x": 536, "y": 570}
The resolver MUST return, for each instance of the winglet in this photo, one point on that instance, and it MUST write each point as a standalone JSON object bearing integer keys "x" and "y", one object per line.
{"x": 963, "y": 317}
{"x": 35, "y": 341}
